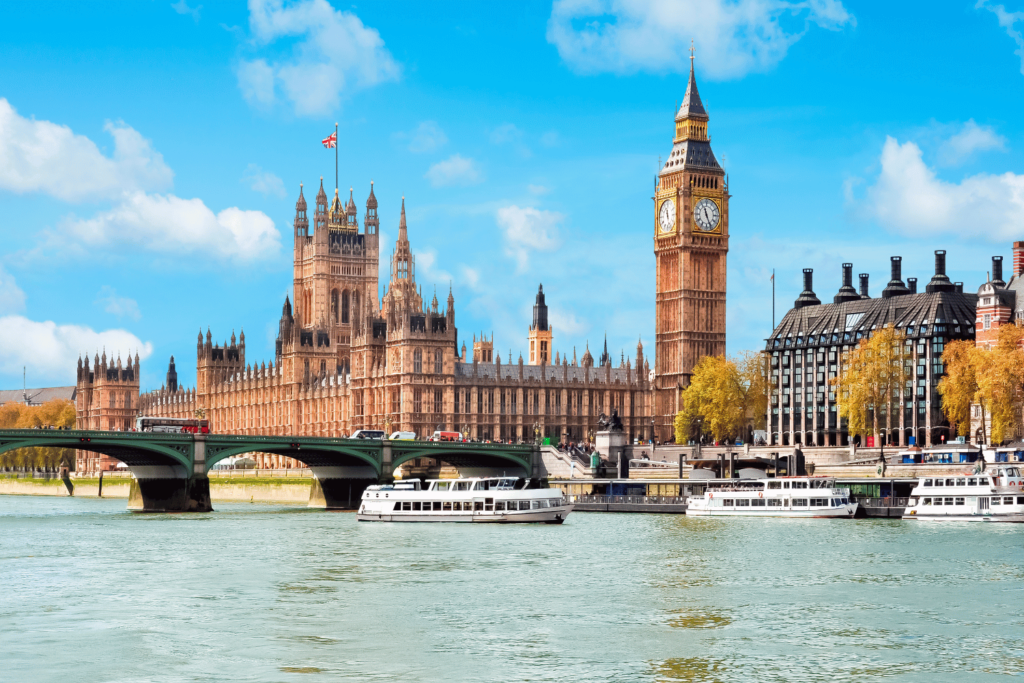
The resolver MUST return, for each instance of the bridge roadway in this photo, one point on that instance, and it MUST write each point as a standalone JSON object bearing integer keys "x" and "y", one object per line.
{"x": 171, "y": 470}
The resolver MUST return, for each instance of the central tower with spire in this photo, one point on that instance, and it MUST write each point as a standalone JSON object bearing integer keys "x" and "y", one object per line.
{"x": 691, "y": 241}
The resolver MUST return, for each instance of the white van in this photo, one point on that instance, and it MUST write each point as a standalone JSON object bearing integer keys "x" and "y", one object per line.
{"x": 367, "y": 434}
{"x": 403, "y": 436}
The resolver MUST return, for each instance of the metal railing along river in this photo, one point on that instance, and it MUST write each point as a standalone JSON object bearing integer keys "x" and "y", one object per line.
{"x": 628, "y": 500}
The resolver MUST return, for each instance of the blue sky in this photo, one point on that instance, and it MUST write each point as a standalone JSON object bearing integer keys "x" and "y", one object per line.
{"x": 151, "y": 153}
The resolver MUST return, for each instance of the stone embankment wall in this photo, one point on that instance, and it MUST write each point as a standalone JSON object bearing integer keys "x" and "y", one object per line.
{"x": 257, "y": 490}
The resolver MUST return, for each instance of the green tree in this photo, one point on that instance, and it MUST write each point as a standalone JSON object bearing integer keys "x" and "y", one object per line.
{"x": 1000, "y": 373}
{"x": 959, "y": 388}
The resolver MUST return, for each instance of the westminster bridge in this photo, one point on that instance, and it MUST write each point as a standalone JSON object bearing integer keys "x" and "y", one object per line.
{"x": 171, "y": 470}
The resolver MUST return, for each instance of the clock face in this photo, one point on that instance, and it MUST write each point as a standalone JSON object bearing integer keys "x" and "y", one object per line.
{"x": 706, "y": 214}
{"x": 667, "y": 215}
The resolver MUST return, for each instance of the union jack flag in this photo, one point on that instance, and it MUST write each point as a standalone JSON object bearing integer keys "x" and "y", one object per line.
{"x": 330, "y": 141}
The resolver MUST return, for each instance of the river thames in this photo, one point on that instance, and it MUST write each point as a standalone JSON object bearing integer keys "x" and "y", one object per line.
{"x": 271, "y": 593}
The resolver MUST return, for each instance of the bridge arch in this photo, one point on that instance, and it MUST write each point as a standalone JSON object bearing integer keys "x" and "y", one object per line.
{"x": 135, "y": 449}
{"x": 464, "y": 455}
{"x": 317, "y": 454}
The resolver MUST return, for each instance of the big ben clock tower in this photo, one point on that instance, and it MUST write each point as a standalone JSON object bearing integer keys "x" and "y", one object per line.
{"x": 691, "y": 240}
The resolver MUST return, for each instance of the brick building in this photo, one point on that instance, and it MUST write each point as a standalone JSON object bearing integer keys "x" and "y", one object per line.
{"x": 345, "y": 361}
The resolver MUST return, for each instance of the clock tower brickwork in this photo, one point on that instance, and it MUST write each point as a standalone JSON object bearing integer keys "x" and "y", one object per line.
{"x": 691, "y": 241}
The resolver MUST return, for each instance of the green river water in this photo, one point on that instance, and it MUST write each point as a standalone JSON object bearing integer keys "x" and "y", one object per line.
{"x": 93, "y": 593}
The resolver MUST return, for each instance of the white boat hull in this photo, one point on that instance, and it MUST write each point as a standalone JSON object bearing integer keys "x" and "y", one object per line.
{"x": 844, "y": 512}
{"x": 543, "y": 516}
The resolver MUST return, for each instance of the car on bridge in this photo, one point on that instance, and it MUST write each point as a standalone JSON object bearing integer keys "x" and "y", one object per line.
{"x": 403, "y": 436}
{"x": 368, "y": 434}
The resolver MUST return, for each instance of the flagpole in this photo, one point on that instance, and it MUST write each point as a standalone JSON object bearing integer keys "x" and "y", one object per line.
{"x": 335, "y": 156}
{"x": 773, "y": 299}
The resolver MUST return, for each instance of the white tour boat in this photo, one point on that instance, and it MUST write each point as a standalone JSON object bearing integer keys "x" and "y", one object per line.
{"x": 781, "y": 497}
{"x": 477, "y": 499}
{"x": 993, "y": 496}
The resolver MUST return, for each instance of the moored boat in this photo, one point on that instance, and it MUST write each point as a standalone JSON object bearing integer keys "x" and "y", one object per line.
{"x": 781, "y": 497}
{"x": 476, "y": 499}
{"x": 978, "y": 496}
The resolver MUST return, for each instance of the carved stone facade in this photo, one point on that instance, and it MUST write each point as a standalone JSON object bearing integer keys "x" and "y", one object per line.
{"x": 691, "y": 241}
{"x": 344, "y": 361}
{"x": 106, "y": 397}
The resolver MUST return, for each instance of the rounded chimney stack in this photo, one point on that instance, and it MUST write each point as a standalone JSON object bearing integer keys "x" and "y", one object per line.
{"x": 940, "y": 281}
{"x": 846, "y": 292}
{"x": 807, "y": 297}
{"x": 912, "y": 284}
{"x": 864, "y": 286}
{"x": 997, "y": 271}
{"x": 895, "y": 286}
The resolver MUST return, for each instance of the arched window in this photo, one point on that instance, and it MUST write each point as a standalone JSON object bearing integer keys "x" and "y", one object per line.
{"x": 417, "y": 361}
{"x": 334, "y": 306}
{"x": 438, "y": 362}
{"x": 113, "y": 400}
{"x": 356, "y": 313}
{"x": 344, "y": 307}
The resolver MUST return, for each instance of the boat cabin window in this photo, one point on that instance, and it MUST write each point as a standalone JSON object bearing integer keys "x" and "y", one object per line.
{"x": 996, "y": 500}
{"x": 971, "y": 481}
{"x": 499, "y": 506}
{"x": 927, "y": 482}
{"x": 799, "y": 484}
{"x": 461, "y": 486}
{"x": 446, "y": 506}
{"x": 1013, "y": 472}
{"x": 482, "y": 485}
{"x": 949, "y": 501}
{"x": 785, "y": 484}
{"x": 441, "y": 485}
{"x": 1008, "y": 500}
{"x": 437, "y": 505}
{"x": 1020, "y": 500}
{"x": 742, "y": 502}
{"x": 775, "y": 484}
{"x": 774, "y": 502}
{"x": 950, "y": 482}
{"x": 958, "y": 501}
{"x": 961, "y": 481}
{"x": 757, "y": 502}
{"x": 799, "y": 502}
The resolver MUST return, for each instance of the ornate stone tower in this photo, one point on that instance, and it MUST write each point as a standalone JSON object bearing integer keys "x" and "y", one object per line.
{"x": 335, "y": 280}
{"x": 540, "y": 332}
{"x": 691, "y": 240}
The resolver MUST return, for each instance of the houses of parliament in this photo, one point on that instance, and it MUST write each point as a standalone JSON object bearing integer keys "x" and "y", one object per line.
{"x": 346, "y": 360}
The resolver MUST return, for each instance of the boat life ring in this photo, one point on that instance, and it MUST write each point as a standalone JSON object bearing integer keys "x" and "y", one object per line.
{"x": 760, "y": 494}
{"x": 710, "y": 496}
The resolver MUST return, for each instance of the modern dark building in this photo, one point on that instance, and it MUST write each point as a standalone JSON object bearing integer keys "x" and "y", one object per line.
{"x": 808, "y": 344}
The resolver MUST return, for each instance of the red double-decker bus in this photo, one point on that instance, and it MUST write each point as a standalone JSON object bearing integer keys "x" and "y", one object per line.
{"x": 172, "y": 425}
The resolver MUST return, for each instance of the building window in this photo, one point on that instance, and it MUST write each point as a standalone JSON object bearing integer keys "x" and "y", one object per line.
{"x": 128, "y": 401}
{"x": 513, "y": 410}
{"x": 438, "y": 402}
{"x": 457, "y": 394}
{"x": 334, "y": 306}
{"x": 479, "y": 401}
{"x": 344, "y": 308}
{"x": 113, "y": 400}
{"x": 417, "y": 361}
{"x": 417, "y": 401}
{"x": 396, "y": 401}
{"x": 490, "y": 402}
{"x": 438, "y": 362}
{"x": 987, "y": 321}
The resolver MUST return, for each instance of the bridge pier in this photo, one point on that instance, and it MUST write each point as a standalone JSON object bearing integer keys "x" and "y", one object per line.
{"x": 170, "y": 494}
{"x": 339, "y": 487}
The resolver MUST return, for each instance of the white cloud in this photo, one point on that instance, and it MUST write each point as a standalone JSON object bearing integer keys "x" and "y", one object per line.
{"x": 428, "y": 273}
{"x": 181, "y": 7}
{"x": 12, "y": 299}
{"x": 733, "y": 37}
{"x": 909, "y": 198}
{"x": 471, "y": 276}
{"x": 455, "y": 170}
{"x": 971, "y": 138}
{"x": 1008, "y": 20}
{"x": 528, "y": 229}
{"x": 538, "y": 189}
{"x": 566, "y": 323}
{"x": 264, "y": 182}
{"x": 333, "y": 53}
{"x": 510, "y": 134}
{"x": 179, "y": 226}
{"x": 121, "y": 306}
{"x": 40, "y": 156}
{"x": 427, "y": 137}
{"x": 50, "y": 351}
